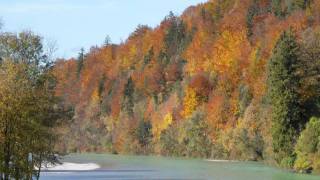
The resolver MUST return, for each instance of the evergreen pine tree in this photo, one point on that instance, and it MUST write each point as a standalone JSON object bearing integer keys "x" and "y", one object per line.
{"x": 284, "y": 99}
{"x": 144, "y": 133}
{"x": 80, "y": 62}
{"x": 127, "y": 102}
{"x": 277, "y": 8}
{"x": 252, "y": 12}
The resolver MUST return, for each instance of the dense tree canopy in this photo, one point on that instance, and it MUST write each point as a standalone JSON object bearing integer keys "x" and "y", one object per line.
{"x": 241, "y": 76}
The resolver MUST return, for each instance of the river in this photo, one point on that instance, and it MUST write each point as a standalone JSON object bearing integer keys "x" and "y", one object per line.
{"x": 104, "y": 166}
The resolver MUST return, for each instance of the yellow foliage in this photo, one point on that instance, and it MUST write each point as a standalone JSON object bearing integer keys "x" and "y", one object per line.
{"x": 227, "y": 49}
{"x": 129, "y": 58}
{"x": 125, "y": 63}
{"x": 234, "y": 104}
{"x": 167, "y": 120}
{"x": 190, "y": 102}
{"x": 95, "y": 97}
{"x": 254, "y": 59}
{"x": 159, "y": 127}
{"x": 196, "y": 53}
{"x": 133, "y": 51}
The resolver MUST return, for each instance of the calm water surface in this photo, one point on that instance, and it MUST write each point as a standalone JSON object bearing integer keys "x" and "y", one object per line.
{"x": 142, "y": 167}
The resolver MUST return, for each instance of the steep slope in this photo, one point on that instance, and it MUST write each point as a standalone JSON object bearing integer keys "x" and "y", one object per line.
{"x": 195, "y": 86}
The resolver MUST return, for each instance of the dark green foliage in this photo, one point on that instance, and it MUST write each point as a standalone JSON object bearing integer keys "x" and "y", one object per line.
{"x": 197, "y": 140}
{"x": 175, "y": 41}
{"x": 245, "y": 146}
{"x": 176, "y": 37}
{"x": 140, "y": 31}
{"x": 143, "y": 133}
{"x": 163, "y": 58}
{"x": 282, "y": 86}
{"x": 245, "y": 98}
{"x": 217, "y": 13}
{"x": 129, "y": 88}
{"x": 169, "y": 143}
{"x": 127, "y": 102}
{"x": 203, "y": 13}
{"x": 298, "y": 4}
{"x": 309, "y": 71}
{"x": 277, "y": 8}
{"x": 107, "y": 41}
{"x": 189, "y": 138}
{"x": 221, "y": 7}
{"x": 148, "y": 57}
{"x": 101, "y": 85}
{"x": 282, "y": 8}
{"x": 80, "y": 63}
{"x": 252, "y": 12}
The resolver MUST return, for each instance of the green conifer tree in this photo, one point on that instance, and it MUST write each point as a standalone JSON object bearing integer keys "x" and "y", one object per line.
{"x": 127, "y": 102}
{"x": 284, "y": 99}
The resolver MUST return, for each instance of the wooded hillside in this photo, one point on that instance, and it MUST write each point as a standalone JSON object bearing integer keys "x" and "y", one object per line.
{"x": 234, "y": 79}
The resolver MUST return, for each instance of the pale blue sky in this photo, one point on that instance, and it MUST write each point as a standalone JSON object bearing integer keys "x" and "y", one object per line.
{"x": 83, "y": 23}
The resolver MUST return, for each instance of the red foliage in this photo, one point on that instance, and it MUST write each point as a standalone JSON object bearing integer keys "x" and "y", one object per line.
{"x": 200, "y": 83}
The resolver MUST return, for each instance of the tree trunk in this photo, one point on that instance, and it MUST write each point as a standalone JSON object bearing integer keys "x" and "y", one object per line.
{"x": 39, "y": 169}
{"x": 6, "y": 150}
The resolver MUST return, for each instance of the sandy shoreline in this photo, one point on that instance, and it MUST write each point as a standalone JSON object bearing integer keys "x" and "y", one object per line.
{"x": 66, "y": 166}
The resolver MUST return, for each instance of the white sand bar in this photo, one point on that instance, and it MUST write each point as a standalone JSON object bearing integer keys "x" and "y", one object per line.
{"x": 72, "y": 167}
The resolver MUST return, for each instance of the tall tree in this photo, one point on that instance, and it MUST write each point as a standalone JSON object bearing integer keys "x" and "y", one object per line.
{"x": 107, "y": 41}
{"x": 28, "y": 113}
{"x": 28, "y": 107}
{"x": 282, "y": 85}
{"x": 127, "y": 102}
{"x": 80, "y": 64}
{"x": 176, "y": 37}
{"x": 253, "y": 10}
{"x": 144, "y": 134}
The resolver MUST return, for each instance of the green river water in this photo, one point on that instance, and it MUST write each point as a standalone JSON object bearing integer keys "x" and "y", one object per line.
{"x": 161, "y": 168}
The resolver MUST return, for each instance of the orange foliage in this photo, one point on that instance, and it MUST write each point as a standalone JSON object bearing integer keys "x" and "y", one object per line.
{"x": 227, "y": 50}
{"x": 216, "y": 116}
{"x": 68, "y": 87}
{"x": 201, "y": 85}
{"x": 218, "y": 59}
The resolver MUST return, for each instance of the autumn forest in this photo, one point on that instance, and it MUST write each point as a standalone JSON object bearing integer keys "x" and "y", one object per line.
{"x": 227, "y": 79}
